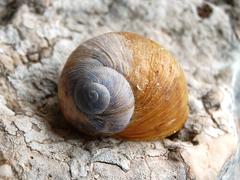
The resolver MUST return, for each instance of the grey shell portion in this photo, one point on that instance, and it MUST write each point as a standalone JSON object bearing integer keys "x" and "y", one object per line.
{"x": 96, "y": 80}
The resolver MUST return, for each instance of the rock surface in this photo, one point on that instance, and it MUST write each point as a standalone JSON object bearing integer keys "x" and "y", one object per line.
{"x": 36, "y": 37}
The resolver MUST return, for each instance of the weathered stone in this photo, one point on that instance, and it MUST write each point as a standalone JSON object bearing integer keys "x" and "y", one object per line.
{"x": 35, "y": 41}
{"x": 6, "y": 171}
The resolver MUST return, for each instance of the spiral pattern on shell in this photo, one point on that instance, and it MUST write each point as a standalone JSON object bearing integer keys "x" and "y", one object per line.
{"x": 126, "y": 85}
{"x": 98, "y": 90}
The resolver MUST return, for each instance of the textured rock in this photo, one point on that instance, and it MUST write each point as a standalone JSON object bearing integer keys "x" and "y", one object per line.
{"x": 6, "y": 171}
{"x": 36, "y": 37}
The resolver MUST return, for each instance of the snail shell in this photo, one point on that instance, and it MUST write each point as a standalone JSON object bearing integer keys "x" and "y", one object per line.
{"x": 125, "y": 85}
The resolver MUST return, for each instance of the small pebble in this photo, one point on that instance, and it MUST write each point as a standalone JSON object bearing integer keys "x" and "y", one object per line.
{"x": 6, "y": 170}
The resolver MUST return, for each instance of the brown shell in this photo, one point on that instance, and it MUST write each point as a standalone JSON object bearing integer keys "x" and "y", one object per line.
{"x": 156, "y": 79}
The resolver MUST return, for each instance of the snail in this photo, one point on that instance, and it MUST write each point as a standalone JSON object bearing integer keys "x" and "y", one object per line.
{"x": 124, "y": 85}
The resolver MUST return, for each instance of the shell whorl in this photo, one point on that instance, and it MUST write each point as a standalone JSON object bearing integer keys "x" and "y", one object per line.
{"x": 91, "y": 97}
{"x": 98, "y": 89}
{"x": 124, "y": 84}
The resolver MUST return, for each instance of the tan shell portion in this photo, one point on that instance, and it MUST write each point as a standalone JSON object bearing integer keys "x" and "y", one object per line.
{"x": 156, "y": 79}
{"x": 160, "y": 91}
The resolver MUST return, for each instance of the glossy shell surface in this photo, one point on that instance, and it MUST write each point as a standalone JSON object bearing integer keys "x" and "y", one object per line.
{"x": 145, "y": 96}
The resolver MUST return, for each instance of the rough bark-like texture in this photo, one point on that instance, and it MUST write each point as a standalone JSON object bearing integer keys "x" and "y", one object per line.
{"x": 36, "y": 37}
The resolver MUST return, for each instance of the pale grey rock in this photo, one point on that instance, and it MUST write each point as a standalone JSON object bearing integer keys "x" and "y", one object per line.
{"x": 112, "y": 157}
{"x": 4, "y": 110}
{"x": 9, "y": 35}
{"x": 79, "y": 163}
{"x": 6, "y": 171}
{"x": 36, "y": 142}
{"x": 156, "y": 152}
